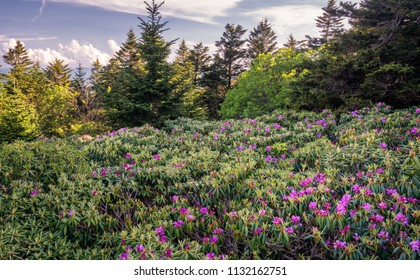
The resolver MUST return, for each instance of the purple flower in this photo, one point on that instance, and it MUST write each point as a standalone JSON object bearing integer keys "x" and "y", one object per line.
{"x": 184, "y": 211}
{"x": 277, "y": 220}
{"x": 418, "y": 110}
{"x": 190, "y": 217}
{"x": 268, "y": 148}
{"x": 340, "y": 209}
{"x": 340, "y": 244}
{"x": 156, "y": 157}
{"x": 240, "y": 148}
{"x": 140, "y": 248}
{"x": 127, "y": 155}
{"x": 312, "y": 205}
{"x": 210, "y": 256}
{"x": 383, "y": 145}
{"x": 267, "y": 129}
{"x": 204, "y": 210}
{"x": 289, "y": 230}
{"x": 71, "y": 213}
{"x": 214, "y": 239}
{"x": 178, "y": 224}
{"x": 124, "y": 256}
{"x": 383, "y": 120}
{"x": 401, "y": 218}
{"x": 382, "y": 205}
{"x": 414, "y": 130}
{"x": 160, "y": 231}
{"x": 34, "y": 192}
{"x": 163, "y": 239}
{"x": 383, "y": 235}
{"x": 367, "y": 207}
{"x": 218, "y": 231}
{"x": 415, "y": 245}
{"x": 295, "y": 219}
{"x": 379, "y": 104}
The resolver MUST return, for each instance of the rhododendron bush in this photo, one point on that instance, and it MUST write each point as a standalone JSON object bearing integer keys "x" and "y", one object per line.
{"x": 283, "y": 186}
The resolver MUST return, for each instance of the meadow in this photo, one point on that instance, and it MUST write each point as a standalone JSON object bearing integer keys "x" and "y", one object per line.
{"x": 290, "y": 185}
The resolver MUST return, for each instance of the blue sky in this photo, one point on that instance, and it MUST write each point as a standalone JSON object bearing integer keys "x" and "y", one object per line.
{"x": 83, "y": 30}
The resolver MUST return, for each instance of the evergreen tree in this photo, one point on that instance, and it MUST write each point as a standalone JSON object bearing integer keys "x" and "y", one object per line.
{"x": 156, "y": 91}
{"x": 200, "y": 59}
{"x": 261, "y": 40}
{"x": 129, "y": 54}
{"x": 18, "y": 58}
{"x": 231, "y": 50}
{"x": 330, "y": 22}
{"x": 292, "y": 43}
{"x": 182, "y": 53}
{"x": 58, "y": 73}
{"x": 214, "y": 82}
{"x": 192, "y": 96}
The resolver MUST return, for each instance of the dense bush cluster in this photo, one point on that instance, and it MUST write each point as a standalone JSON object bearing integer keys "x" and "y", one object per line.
{"x": 283, "y": 186}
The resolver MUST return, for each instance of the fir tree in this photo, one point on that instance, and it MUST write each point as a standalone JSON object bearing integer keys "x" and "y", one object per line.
{"x": 200, "y": 59}
{"x": 330, "y": 22}
{"x": 231, "y": 50}
{"x": 58, "y": 73}
{"x": 292, "y": 43}
{"x": 18, "y": 58}
{"x": 261, "y": 40}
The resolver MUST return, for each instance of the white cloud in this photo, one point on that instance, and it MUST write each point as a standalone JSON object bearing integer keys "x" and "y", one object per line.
{"x": 296, "y": 19}
{"x": 71, "y": 53}
{"x": 196, "y": 10}
{"x": 113, "y": 46}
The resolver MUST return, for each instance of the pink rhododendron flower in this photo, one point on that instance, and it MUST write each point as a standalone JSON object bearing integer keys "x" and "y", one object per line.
{"x": 295, "y": 219}
{"x": 401, "y": 218}
{"x": 415, "y": 245}
{"x": 277, "y": 220}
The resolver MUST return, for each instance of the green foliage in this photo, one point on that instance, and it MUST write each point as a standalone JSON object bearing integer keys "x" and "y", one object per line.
{"x": 18, "y": 118}
{"x": 267, "y": 86}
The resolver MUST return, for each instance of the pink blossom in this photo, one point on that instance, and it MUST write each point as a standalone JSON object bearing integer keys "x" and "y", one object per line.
{"x": 210, "y": 256}
{"x": 214, "y": 239}
{"x": 218, "y": 231}
{"x": 184, "y": 211}
{"x": 383, "y": 145}
{"x": 382, "y": 205}
{"x": 312, "y": 205}
{"x": 289, "y": 230}
{"x": 178, "y": 224}
{"x": 127, "y": 155}
{"x": 367, "y": 207}
{"x": 340, "y": 244}
{"x": 204, "y": 210}
{"x": 295, "y": 219}
{"x": 268, "y": 148}
{"x": 401, "y": 218}
{"x": 156, "y": 157}
{"x": 415, "y": 245}
{"x": 277, "y": 220}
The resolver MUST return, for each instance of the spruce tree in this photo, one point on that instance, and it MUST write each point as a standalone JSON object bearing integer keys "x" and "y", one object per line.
{"x": 200, "y": 59}
{"x": 156, "y": 99}
{"x": 292, "y": 43}
{"x": 330, "y": 22}
{"x": 262, "y": 39}
{"x": 231, "y": 50}
{"x": 18, "y": 58}
{"x": 58, "y": 73}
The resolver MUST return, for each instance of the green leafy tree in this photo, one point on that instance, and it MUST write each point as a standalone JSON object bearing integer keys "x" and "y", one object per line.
{"x": 268, "y": 85}
{"x": 262, "y": 39}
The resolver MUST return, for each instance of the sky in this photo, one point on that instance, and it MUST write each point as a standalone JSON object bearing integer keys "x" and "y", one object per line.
{"x": 85, "y": 30}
